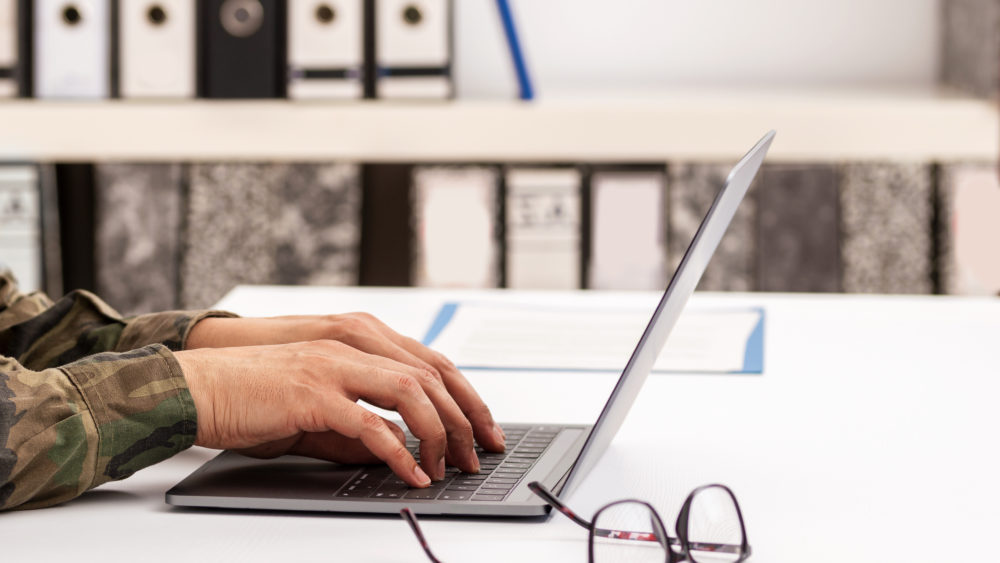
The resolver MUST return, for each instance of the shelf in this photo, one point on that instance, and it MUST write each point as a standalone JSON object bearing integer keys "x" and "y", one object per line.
{"x": 693, "y": 126}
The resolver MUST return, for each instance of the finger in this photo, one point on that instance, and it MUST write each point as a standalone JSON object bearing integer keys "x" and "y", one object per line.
{"x": 333, "y": 446}
{"x": 394, "y": 388}
{"x": 487, "y": 432}
{"x": 460, "y": 439}
{"x": 355, "y": 421}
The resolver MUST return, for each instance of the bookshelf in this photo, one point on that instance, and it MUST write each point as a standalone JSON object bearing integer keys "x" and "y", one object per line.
{"x": 907, "y": 126}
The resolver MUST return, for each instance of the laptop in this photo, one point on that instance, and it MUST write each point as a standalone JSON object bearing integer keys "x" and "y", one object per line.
{"x": 559, "y": 456}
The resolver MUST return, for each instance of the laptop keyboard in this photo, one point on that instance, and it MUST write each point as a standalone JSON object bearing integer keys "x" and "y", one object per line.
{"x": 498, "y": 473}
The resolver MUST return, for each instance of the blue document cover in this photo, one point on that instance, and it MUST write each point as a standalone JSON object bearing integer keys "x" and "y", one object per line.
{"x": 524, "y": 337}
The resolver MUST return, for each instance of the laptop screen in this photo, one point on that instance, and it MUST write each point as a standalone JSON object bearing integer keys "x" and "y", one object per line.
{"x": 678, "y": 291}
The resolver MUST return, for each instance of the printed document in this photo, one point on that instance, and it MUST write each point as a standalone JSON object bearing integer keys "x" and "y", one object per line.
{"x": 511, "y": 337}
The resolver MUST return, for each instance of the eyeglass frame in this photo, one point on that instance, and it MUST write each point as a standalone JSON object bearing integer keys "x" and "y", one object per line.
{"x": 681, "y": 542}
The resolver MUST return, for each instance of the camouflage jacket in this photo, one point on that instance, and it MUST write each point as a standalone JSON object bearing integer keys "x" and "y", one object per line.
{"x": 86, "y": 396}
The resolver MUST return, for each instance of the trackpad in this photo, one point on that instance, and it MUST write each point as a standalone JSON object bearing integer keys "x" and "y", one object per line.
{"x": 233, "y": 475}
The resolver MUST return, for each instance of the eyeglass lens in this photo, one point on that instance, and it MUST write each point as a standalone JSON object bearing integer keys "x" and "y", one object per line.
{"x": 618, "y": 526}
{"x": 714, "y": 532}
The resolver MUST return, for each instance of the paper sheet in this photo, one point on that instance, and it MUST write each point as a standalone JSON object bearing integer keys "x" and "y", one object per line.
{"x": 521, "y": 337}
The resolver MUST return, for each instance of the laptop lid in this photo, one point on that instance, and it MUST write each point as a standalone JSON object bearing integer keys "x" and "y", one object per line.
{"x": 676, "y": 296}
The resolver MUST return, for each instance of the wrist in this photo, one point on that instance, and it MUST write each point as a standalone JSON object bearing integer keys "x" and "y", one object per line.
{"x": 194, "y": 373}
{"x": 204, "y": 333}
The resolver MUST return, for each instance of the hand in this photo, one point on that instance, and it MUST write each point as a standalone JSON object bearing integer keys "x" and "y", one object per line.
{"x": 366, "y": 344}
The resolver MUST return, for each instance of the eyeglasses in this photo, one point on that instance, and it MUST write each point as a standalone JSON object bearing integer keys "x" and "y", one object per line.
{"x": 709, "y": 529}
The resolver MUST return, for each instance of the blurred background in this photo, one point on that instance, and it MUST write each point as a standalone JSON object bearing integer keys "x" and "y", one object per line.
{"x": 162, "y": 152}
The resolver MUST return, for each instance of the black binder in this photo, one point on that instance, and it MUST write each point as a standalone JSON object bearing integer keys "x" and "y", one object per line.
{"x": 242, "y": 49}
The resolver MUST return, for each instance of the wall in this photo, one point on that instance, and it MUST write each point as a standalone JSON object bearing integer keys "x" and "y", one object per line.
{"x": 599, "y": 46}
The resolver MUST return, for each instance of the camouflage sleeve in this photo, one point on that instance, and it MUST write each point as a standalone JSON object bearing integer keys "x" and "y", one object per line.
{"x": 86, "y": 396}
{"x": 66, "y": 430}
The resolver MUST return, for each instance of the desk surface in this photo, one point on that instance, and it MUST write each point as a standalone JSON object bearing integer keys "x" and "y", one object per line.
{"x": 871, "y": 436}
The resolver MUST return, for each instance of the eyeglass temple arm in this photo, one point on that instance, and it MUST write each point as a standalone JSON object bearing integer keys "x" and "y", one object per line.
{"x": 411, "y": 519}
{"x": 551, "y": 499}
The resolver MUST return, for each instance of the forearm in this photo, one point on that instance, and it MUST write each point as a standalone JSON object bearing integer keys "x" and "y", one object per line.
{"x": 66, "y": 430}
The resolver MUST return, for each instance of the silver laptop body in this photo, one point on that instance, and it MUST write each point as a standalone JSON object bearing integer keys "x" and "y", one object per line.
{"x": 569, "y": 452}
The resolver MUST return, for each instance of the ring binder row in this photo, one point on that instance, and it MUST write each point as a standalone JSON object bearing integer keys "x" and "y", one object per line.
{"x": 177, "y": 49}
{"x": 159, "y": 236}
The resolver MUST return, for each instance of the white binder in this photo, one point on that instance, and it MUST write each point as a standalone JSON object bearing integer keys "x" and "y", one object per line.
{"x": 20, "y": 225}
{"x": 8, "y": 48}
{"x": 413, "y": 48}
{"x": 627, "y": 212}
{"x": 975, "y": 201}
{"x": 455, "y": 210}
{"x": 543, "y": 211}
{"x": 325, "y": 49}
{"x": 72, "y": 48}
{"x": 157, "y": 48}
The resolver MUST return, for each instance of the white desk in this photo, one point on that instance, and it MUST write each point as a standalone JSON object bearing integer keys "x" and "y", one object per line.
{"x": 871, "y": 436}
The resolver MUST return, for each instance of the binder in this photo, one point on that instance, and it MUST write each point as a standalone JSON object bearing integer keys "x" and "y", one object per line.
{"x": 8, "y": 48}
{"x": 290, "y": 224}
{"x": 628, "y": 230}
{"x": 455, "y": 211}
{"x": 72, "y": 49}
{"x": 798, "y": 228}
{"x": 413, "y": 49}
{"x": 887, "y": 242}
{"x": 325, "y": 49}
{"x": 543, "y": 228}
{"x": 157, "y": 48}
{"x": 970, "y": 205}
{"x": 138, "y": 235}
{"x": 76, "y": 197}
{"x": 387, "y": 225}
{"x": 968, "y": 47}
{"x": 242, "y": 49}
{"x": 20, "y": 225}
{"x": 691, "y": 189}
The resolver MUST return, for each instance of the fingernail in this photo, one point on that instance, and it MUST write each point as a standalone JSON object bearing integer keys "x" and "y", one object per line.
{"x": 422, "y": 477}
{"x": 473, "y": 460}
{"x": 499, "y": 434}
{"x": 441, "y": 469}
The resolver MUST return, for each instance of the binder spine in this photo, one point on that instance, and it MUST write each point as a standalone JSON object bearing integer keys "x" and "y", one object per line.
{"x": 8, "y": 48}
{"x": 242, "y": 49}
{"x": 692, "y": 188}
{"x": 326, "y": 49}
{"x": 72, "y": 49}
{"x": 20, "y": 225}
{"x": 138, "y": 226}
{"x": 627, "y": 211}
{"x": 293, "y": 224}
{"x": 887, "y": 223}
{"x": 455, "y": 211}
{"x": 798, "y": 228}
{"x": 413, "y": 49}
{"x": 543, "y": 227}
{"x": 157, "y": 48}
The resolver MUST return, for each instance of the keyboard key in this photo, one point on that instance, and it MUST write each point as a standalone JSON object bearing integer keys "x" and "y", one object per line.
{"x": 468, "y": 482}
{"x": 503, "y": 480}
{"x": 455, "y": 495}
{"x": 463, "y": 487}
{"x": 496, "y": 486}
{"x": 355, "y": 492}
{"x": 423, "y": 494}
{"x": 515, "y": 465}
{"x": 389, "y": 492}
{"x": 488, "y": 498}
{"x": 511, "y": 474}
